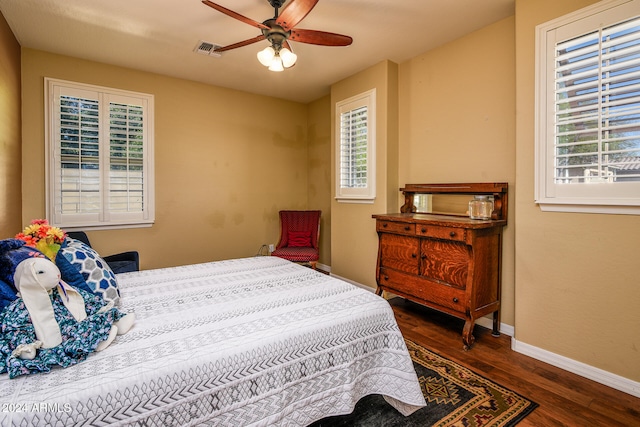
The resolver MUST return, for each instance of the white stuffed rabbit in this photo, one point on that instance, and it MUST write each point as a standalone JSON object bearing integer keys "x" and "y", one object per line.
{"x": 62, "y": 325}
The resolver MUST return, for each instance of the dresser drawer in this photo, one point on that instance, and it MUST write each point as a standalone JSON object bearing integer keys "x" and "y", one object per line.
{"x": 424, "y": 289}
{"x": 437, "y": 232}
{"x": 395, "y": 227}
{"x": 400, "y": 252}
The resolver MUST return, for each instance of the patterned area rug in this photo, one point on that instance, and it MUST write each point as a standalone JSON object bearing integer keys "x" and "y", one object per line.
{"x": 455, "y": 395}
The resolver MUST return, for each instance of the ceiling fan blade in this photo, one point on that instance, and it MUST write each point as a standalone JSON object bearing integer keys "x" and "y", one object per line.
{"x": 235, "y": 15}
{"x": 295, "y": 12}
{"x": 240, "y": 44}
{"x": 321, "y": 38}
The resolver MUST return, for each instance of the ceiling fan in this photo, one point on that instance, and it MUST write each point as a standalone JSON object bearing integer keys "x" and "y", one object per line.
{"x": 279, "y": 30}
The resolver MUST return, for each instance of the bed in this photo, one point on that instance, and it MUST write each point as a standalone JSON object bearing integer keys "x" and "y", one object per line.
{"x": 254, "y": 341}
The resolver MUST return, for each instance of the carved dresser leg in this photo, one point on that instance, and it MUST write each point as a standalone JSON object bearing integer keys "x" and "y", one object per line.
{"x": 467, "y": 334}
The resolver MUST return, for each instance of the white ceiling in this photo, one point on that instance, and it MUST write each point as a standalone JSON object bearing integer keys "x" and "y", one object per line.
{"x": 160, "y": 36}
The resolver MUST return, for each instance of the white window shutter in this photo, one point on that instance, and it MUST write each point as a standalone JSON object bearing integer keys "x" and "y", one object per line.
{"x": 355, "y": 149}
{"x": 100, "y": 166}
{"x": 588, "y": 110}
{"x": 597, "y": 109}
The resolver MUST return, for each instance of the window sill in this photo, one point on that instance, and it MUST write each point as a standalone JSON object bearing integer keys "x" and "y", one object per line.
{"x": 363, "y": 200}
{"x": 95, "y": 227}
{"x": 592, "y": 209}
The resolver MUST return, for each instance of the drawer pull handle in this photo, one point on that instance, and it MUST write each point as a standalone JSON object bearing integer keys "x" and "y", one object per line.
{"x": 423, "y": 256}
{"x": 384, "y": 225}
{"x": 455, "y": 299}
{"x": 407, "y": 228}
{"x": 413, "y": 255}
{"x": 386, "y": 277}
{"x": 452, "y": 234}
{"x": 424, "y": 230}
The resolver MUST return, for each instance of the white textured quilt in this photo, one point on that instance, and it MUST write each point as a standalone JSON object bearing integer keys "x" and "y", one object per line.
{"x": 255, "y": 341}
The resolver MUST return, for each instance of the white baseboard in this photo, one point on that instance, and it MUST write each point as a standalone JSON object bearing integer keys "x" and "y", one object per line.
{"x": 323, "y": 267}
{"x": 598, "y": 375}
{"x": 487, "y": 322}
{"x": 587, "y": 371}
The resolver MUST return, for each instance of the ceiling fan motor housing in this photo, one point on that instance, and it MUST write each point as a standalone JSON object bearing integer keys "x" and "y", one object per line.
{"x": 275, "y": 34}
{"x": 277, "y": 4}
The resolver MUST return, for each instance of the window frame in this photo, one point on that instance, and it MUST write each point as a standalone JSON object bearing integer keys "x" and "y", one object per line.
{"x": 103, "y": 217}
{"x": 607, "y": 198}
{"x": 365, "y": 194}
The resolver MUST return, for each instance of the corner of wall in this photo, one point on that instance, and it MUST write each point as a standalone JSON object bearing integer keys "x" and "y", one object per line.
{"x": 10, "y": 133}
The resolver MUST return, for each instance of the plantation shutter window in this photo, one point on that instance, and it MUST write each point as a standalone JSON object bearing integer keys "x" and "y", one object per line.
{"x": 100, "y": 163}
{"x": 598, "y": 106}
{"x": 78, "y": 189}
{"x": 355, "y": 149}
{"x": 126, "y": 155}
{"x": 588, "y": 130}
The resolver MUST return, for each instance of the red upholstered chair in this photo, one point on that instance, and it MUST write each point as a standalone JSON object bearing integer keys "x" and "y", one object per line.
{"x": 299, "y": 234}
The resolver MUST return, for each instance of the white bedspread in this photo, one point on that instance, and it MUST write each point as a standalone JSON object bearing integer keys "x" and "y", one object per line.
{"x": 255, "y": 341}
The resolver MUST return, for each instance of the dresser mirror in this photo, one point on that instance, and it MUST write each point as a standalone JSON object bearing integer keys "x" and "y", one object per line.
{"x": 453, "y": 199}
{"x": 446, "y": 204}
{"x": 423, "y": 203}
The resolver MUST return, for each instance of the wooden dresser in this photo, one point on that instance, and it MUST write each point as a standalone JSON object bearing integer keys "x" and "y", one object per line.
{"x": 445, "y": 261}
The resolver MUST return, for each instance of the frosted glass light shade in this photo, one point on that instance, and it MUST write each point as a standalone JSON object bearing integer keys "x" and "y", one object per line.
{"x": 266, "y": 56}
{"x": 276, "y": 64}
{"x": 288, "y": 58}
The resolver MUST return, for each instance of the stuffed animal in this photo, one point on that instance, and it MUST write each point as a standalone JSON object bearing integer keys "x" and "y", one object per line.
{"x": 53, "y": 324}
{"x": 12, "y": 252}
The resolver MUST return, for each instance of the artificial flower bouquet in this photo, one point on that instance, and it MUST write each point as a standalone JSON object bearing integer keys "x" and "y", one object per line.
{"x": 44, "y": 237}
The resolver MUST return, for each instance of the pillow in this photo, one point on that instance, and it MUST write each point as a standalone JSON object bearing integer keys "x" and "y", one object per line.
{"x": 96, "y": 272}
{"x": 7, "y": 294}
{"x": 299, "y": 238}
{"x": 69, "y": 273}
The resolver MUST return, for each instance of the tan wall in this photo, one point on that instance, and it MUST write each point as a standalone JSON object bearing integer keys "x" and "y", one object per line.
{"x": 10, "y": 139}
{"x": 354, "y": 242}
{"x": 226, "y": 162}
{"x": 577, "y": 283}
{"x": 457, "y": 122}
{"x": 319, "y": 173}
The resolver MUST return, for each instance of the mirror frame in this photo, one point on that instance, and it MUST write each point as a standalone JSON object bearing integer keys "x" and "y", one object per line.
{"x": 499, "y": 191}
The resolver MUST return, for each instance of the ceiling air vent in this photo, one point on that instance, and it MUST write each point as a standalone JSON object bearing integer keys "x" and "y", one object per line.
{"x": 206, "y": 48}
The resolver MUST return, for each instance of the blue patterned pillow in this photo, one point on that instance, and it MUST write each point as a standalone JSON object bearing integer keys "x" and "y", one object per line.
{"x": 96, "y": 272}
{"x": 69, "y": 272}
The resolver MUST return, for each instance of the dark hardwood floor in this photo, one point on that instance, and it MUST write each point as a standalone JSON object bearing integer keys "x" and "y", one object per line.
{"x": 565, "y": 399}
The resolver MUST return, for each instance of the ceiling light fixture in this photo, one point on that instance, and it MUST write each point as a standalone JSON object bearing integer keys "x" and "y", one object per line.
{"x": 277, "y": 58}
